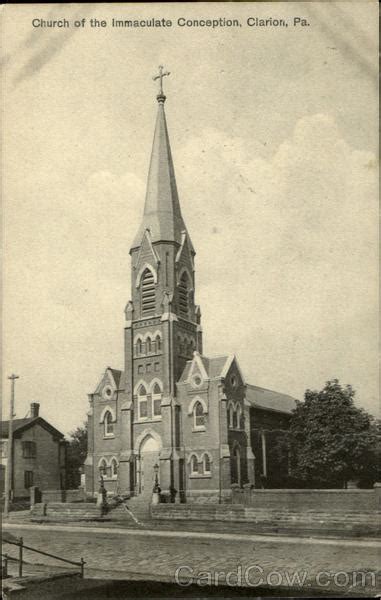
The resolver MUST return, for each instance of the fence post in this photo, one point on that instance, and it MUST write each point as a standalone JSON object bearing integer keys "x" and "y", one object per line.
{"x": 5, "y": 569}
{"x": 82, "y": 567}
{"x": 20, "y": 556}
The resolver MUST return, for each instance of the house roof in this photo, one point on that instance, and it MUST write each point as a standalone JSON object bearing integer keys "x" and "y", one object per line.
{"x": 269, "y": 400}
{"x": 20, "y": 425}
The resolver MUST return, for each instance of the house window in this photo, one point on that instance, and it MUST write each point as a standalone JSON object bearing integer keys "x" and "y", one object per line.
{"x": 148, "y": 368}
{"x": 156, "y": 400}
{"x": 198, "y": 416}
{"x": 148, "y": 345}
{"x": 108, "y": 424}
{"x": 29, "y": 449}
{"x": 194, "y": 465}
{"x": 148, "y": 293}
{"x": 142, "y": 403}
{"x": 184, "y": 295}
{"x": 140, "y": 369}
{"x": 28, "y": 479}
{"x": 114, "y": 468}
{"x": 206, "y": 464}
{"x": 104, "y": 469}
{"x": 157, "y": 366}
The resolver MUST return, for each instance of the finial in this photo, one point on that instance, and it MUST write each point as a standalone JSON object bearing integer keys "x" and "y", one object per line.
{"x": 161, "y": 97}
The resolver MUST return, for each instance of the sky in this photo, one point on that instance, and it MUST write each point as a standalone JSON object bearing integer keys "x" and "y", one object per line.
{"x": 274, "y": 139}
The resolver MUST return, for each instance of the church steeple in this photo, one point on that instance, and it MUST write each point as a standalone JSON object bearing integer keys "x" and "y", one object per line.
{"x": 162, "y": 214}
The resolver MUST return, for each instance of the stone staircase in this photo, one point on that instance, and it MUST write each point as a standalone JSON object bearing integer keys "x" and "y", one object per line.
{"x": 139, "y": 506}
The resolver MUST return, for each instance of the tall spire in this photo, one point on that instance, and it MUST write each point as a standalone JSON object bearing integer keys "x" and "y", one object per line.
{"x": 162, "y": 213}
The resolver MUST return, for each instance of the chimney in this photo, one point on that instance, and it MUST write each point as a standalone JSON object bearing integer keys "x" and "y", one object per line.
{"x": 34, "y": 409}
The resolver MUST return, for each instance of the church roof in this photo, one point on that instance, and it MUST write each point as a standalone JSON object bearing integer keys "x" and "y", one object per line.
{"x": 162, "y": 213}
{"x": 116, "y": 375}
{"x": 269, "y": 400}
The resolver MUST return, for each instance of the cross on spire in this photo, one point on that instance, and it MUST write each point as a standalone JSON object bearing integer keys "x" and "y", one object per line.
{"x": 160, "y": 76}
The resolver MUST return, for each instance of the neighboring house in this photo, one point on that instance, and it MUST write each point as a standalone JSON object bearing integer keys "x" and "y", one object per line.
{"x": 172, "y": 410}
{"x": 39, "y": 454}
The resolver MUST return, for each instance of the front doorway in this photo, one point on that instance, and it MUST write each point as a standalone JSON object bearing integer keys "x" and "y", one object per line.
{"x": 148, "y": 456}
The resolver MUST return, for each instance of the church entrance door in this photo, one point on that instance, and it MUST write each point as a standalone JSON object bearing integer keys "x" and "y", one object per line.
{"x": 149, "y": 456}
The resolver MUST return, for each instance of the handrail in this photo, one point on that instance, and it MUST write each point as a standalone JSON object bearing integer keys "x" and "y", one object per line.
{"x": 22, "y": 546}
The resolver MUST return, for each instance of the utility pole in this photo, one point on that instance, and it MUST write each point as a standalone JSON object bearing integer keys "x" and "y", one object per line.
{"x": 9, "y": 464}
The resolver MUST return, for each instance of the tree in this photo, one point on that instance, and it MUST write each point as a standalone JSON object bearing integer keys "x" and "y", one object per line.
{"x": 330, "y": 440}
{"x": 76, "y": 455}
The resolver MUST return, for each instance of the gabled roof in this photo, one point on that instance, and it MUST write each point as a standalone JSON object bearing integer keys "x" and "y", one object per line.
{"x": 20, "y": 425}
{"x": 269, "y": 400}
{"x": 116, "y": 375}
{"x": 214, "y": 367}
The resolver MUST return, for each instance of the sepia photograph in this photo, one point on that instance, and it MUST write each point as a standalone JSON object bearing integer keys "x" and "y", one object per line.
{"x": 190, "y": 390}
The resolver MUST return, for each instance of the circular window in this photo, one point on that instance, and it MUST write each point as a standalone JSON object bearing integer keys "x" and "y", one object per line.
{"x": 107, "y": 392}
{"x": 196, "y": 380}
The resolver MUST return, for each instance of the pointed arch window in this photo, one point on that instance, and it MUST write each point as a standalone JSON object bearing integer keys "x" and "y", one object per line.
{"x": 235, "y": 419}
{"x": 231, "y": 416}
{"x": 139, "y": 346}
{"x": 108, "y": 424}
{"x": 156, "y": 401}
{"x": 114, "y": 468}
{"x": 198, "y": 416}
{"x": 158, "y": 343}
{"x": 184, "y": 295}
{"x": 148, "y": 345}
{"x": 142, "y": 403}
{"x": 148, "y": 292}
{"x": 103, "y": 467}
{"x": 206, "y": 466}
{"x": 194, "y": 465}
{"x": 239, "y": 417}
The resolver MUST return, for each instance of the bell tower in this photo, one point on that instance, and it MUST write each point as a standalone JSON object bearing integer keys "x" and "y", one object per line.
{"x": 162, "y": 318}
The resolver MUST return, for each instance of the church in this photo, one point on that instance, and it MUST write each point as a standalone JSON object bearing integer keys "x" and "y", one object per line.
{"x": 173, "y": 415}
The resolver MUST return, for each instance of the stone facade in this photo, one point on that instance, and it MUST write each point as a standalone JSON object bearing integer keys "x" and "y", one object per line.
{"x": 171, "y": 411}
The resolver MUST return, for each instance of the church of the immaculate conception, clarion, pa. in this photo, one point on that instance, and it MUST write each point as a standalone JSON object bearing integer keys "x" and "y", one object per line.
{"x": 173, "y": 411}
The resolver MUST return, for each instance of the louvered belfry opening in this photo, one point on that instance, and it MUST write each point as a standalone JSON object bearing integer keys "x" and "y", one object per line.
{"x": 183, "y": 295}
{"x": 148, "y": 292}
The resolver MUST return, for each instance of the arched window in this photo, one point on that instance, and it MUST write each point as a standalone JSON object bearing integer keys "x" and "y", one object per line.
{"x": 103, "y": 467}
{"x": 148, "y": 345}
{"x": 156, "y": 401}
{"x": 184, "y": 295}
{"x": 231, "y": 416}
{"x": 147, "y": 292}
{"x": 239, "y": 417}
{"x": 206, "y": 464}
{"x": 194, "y": 465}
{"x": 139, "y": 346}
{"x": 114, "y": 468}
{"x": 158, "y": 343}
{"x": 235, "y": 420}
{"x": 108, "y": 424}
{"x": 142, "y": 403}
{"x": 198, "y": 416}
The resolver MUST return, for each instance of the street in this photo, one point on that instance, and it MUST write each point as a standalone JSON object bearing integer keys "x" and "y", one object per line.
{"x": 213, "y": 559}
